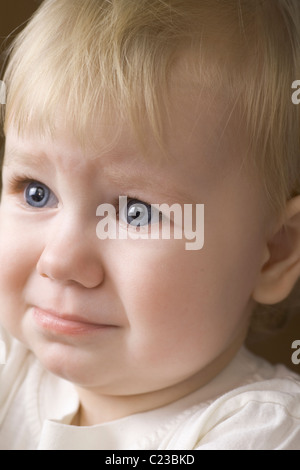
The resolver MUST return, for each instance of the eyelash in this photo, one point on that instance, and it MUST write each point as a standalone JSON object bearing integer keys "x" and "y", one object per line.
{"x": 18, "y": 183}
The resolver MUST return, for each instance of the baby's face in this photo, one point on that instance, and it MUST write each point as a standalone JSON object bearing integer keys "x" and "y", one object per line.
{"x": 129, "y": 316}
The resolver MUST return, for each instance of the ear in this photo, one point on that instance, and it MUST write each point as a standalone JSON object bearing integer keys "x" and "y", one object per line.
{"x": 281, "y": 268}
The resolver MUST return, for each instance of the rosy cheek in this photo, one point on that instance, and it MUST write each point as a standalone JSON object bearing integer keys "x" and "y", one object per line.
{"x": 161, "y": 285}
{"x": 15, "y": 262}
{"x": 18, "y": 256}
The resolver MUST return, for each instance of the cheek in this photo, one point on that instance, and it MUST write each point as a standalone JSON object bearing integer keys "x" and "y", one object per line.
{"x": 184, "y": 307}
{"x": 168, "y": 304}
{"x": 16, "y": 254}
{"x": 17, "y": 261}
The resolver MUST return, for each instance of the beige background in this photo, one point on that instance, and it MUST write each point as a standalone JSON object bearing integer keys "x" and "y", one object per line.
{"x": 277, "y": 346}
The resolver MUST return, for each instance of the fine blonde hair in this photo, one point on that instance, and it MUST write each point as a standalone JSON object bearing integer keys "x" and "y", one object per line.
{"x": 90, "y": 56}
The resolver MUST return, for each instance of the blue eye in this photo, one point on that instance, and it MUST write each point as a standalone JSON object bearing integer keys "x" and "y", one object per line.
{"x": 37, "y": 194}
{"x": 138, "y": 213}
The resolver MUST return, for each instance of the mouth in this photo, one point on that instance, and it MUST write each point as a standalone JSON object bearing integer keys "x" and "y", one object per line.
{"x": 66, "y": 324}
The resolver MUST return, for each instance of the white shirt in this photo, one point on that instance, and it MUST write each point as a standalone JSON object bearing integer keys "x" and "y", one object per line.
{"x": 249, "y": 405}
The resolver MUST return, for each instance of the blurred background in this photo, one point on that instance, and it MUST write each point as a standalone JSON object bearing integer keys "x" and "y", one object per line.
{"x": 14, "y": 15}
{"x": 275, "y": 346}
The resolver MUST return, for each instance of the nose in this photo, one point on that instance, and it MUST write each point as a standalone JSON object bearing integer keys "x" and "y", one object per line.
{"x": 71, "y": 255}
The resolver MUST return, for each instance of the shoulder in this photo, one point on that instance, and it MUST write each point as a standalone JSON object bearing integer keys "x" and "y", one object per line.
{"x": 15, "y": 363}
{"x": 263, "y": 413}
{"x": 29, "y": 395}
{"x": 250, "y": 405}
{"x": 14, "y": 359}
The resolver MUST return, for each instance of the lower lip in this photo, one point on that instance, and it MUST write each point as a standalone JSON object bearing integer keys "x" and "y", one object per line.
{"x": 53, "y": 323}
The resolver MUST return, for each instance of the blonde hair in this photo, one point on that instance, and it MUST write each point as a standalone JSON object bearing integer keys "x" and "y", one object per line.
{"x": 121, "y": 52}
{"x": 91, "y": 56}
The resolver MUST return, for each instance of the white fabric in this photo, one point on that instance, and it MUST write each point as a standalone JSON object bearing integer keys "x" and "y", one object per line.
{"x": 250, "y": 405}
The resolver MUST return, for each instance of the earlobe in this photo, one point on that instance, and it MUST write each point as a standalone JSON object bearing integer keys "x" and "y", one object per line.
{"x": 281, "y": 271}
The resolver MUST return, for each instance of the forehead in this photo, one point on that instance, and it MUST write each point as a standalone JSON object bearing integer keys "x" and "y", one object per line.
{"x": 195, "y": 115}
{"x": 192, "y": 111}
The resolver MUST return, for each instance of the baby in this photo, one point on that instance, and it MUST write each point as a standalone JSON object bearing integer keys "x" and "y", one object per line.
{"x": 133, "y": 341}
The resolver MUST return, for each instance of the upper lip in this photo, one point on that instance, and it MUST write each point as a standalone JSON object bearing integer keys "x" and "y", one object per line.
{"x": 72, "y": 317}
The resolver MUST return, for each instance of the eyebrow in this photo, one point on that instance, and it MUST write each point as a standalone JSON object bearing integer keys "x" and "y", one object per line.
{"x": 126, "y": 181}
{"x": 139, "y": 182}
{"x": 19, "y": 157}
